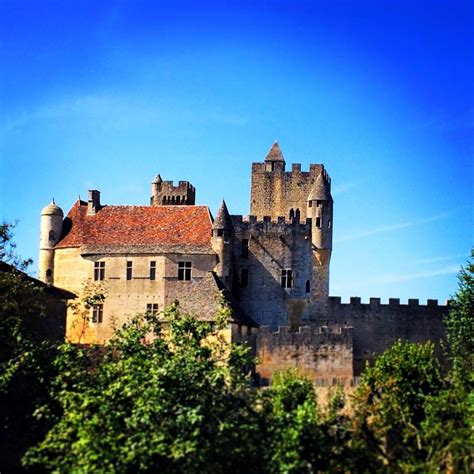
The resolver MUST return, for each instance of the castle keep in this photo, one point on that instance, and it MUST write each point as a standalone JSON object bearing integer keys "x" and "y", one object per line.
{"x": 272, "y": 267}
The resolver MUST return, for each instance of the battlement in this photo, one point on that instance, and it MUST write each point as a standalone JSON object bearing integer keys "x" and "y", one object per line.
{"x": 315, "y": 330}
{"x": 170, "y": 186}
{"x": 167, "y": 193}
{"x": 314, "y": 170}
{"x": 266, "y": 225}
{"x": 392, "y": 302}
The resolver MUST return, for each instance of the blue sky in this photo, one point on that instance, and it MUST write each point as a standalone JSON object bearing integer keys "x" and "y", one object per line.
{"x": 107, "y": 94}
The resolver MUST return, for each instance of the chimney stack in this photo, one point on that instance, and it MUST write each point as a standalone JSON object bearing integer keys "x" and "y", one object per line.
{"x": 93, "y": 203}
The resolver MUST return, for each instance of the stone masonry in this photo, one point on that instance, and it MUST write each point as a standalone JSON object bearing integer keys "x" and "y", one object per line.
{"x": 272, "y": 267}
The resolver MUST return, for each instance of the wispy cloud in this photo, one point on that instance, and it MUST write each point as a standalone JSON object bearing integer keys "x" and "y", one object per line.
{"x": 431, "y": 260}
{"x": 342, "y": 188}
{"x": 394, "y": 227}
{"x": 389, "y": 278}
{"x": 120, "y": 112}
{"x": 396, "y": 278}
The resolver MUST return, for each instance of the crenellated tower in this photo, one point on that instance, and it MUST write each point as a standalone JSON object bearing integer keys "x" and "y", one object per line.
{"x": 276, "y": 192}
{"x": 165, "y": 193}
{"x": 298, "y": 196}
{"x": 50, "y": 233}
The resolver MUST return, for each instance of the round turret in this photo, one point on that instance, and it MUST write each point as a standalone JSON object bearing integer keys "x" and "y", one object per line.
{"x": 50, "y": 233}
{"x": 222, "y": 243}
{"x": 320, "y": 208}
{"x": 52, "y": 210}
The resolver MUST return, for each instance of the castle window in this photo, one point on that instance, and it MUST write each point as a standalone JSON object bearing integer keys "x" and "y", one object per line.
{"x": 97, "y": 313}
{"x": 244, "y": 277}
{"x": 329, "y": 224}
{"x": 49, "y": 273}
{"x": 184, "y": 271}
{"x": 318, "y": 222}
{"x": 319, "y": 203}
{"x": 308, "y": 286}
{"x": 220, "y": 232}
{"x": 287, "y": 278}
{"x": 129, "y": 270}
{"x": 249, "y": 330}
{"x": 310, "y": 203}
{"x": 245, "y": 248}
{"x": 297, "y": 214}
{"x": 292, "y": 214}
{"x": 99, "y": 271}
{"x": 152, "y": 270}
{"x": 152, "y": 309}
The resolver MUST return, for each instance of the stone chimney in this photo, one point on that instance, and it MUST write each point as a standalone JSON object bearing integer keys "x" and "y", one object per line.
{"x": 93, "y": 203}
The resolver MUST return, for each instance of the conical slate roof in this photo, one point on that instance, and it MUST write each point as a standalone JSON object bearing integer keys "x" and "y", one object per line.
{"x": 320, "y": 190}
{"x": 222, "y": 220}
{"x": 157, "y": 180}
{"x": 275, "y": 153}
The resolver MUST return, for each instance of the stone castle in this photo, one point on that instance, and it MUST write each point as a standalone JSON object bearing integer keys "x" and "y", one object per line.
{"x": 272, "y": 267}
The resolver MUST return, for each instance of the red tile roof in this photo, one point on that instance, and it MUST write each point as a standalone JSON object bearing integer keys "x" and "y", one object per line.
{"x": 137, "y": 225}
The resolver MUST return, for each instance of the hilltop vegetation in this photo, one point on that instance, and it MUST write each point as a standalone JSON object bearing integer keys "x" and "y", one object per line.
{"x": 176, "y": 397}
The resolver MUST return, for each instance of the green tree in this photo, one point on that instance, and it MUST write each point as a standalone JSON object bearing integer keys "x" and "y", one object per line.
{"x": 25, "y": 358}
{"x": 160, "y": 396}
{"x": 390, "y": 405}
{"x": 293, "y": 437}
{"x": 459, "y": 325}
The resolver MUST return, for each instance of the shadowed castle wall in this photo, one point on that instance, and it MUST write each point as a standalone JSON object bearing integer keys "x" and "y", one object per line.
{"x": 377, "y": 326}
{"x": 273, "y": 247}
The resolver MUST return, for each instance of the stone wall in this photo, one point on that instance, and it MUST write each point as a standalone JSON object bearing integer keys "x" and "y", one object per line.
{"x": 274, "y": 193}
{"x": 126, "y": 298}
{"x": 273, "y": 246}
{"x": 319, "y": 353}
{"x": 166, "y": 193}
{"x": 377, "y": 326}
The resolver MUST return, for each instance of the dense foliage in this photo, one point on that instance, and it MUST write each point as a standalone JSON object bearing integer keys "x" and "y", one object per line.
{"x": 25, "y": 357}
{"x": 170, "y": 394}
{"x": 460, "y": 325}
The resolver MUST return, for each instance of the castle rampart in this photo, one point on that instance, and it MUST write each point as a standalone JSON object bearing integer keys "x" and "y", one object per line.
{"x": 274, "y": 261}
{"x": 377, "y": 325}
{"x": 320, "y": 353}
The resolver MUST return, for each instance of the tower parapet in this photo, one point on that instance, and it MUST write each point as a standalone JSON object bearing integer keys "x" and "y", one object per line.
{"x": 276, "y": 192}
{"x": 165, "y": 193}
{"x": 266, "y": 225}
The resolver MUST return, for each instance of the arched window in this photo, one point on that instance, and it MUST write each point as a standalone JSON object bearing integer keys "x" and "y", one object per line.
{"x": 297, "y": 214}
{"x": 292, "y": 214}
{"x": 308, "y": 286}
